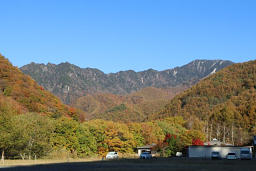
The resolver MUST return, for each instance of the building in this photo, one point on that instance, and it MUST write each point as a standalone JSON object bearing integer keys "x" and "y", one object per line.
{"x": 205, "y": 151}
{"x": 146, "y": 148}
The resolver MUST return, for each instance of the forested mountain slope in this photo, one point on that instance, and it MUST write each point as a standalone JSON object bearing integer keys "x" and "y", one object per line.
{"x": 20, "y": 93}
{"x": 223, "y": 105}
{"x": 136, "y": 106}
{"x": 70, "y": 82}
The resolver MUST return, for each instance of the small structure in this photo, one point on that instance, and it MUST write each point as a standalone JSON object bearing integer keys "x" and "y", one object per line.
{"x": 146, "y": 148}
{"x": 196, "y": 151}
{"x": 205, "y": 151}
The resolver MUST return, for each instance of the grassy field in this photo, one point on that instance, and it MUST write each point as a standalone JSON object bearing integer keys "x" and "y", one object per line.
{"x": 143, "y": 165}
{"x": 43, "y": 161}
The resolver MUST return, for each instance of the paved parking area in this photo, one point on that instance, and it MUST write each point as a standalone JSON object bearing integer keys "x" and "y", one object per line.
{"x": 159, "y": 164}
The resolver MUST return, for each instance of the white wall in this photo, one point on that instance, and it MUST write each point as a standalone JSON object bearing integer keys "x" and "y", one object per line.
{"x": 206, "y": 151}
{"x": 139, "y": 152}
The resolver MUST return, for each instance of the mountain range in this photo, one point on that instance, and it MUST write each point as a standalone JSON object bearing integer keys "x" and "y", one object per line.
{"x": 69, "y": 82}
{"x": 126, "y": 96}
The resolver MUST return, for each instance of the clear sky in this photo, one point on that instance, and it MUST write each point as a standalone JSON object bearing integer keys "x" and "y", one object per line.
{"x": 114, "y": 35}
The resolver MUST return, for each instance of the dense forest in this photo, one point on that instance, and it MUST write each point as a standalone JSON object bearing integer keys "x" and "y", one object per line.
{"x": 222, "y": 105}
{"x": 31, "y": 135}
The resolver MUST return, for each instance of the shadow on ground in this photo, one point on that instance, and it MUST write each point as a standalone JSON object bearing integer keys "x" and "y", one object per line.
{"x": 138, "y": 164}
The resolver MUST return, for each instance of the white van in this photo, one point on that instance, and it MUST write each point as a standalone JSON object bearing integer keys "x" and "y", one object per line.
{"x": 245, "y": 153}
{"x": 112, "y": 155}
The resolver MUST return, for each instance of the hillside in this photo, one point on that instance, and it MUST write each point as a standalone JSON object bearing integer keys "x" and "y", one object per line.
{"x": 223, "y": 105}
{"x": 136, "y": 106}
{"x": 70, "y": 82}
{"x": 20, "y": 93}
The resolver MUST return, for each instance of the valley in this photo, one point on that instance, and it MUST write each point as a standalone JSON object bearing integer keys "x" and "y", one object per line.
{"x": 217, "y": 104}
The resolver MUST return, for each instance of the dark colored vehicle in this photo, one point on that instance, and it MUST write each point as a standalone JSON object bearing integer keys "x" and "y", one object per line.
{"x": 146, "y": 155}
{"x": 245, "y": 154}
{"x": 215, "y": 155}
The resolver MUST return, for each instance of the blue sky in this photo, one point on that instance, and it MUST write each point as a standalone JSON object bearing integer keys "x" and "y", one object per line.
{"x": 114, "y": 35}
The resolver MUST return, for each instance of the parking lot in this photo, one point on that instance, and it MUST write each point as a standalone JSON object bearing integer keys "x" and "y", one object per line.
{"x": 151, "y": 164}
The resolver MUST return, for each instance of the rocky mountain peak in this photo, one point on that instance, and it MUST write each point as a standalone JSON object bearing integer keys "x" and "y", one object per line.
{"x": 70, "y": 82}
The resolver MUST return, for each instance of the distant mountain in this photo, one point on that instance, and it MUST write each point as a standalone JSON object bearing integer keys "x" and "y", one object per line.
{"x": 19, "y": 93}
{"x": 223, "y": 105}
{"x": 69, "y": 82}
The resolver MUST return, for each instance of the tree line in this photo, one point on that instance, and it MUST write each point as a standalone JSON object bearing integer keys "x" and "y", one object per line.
{"x": 30, "y": 135}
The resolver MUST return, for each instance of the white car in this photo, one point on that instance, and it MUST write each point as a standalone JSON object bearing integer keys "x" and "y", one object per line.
{"x": 179, "y": 154}
{"x": 231, "y": 156}
{"x": 112, "y": 155}
{"x": 145, "y": 155}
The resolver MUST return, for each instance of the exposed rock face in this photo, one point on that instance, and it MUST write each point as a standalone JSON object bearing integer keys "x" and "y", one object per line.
{"x": 70, "y": 82}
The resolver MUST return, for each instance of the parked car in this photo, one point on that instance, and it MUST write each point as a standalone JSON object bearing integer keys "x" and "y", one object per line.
{"x": 231, "y": 156}
{"x": 215, "y": 155}
{"x": 245, "y": 154}
{"x": 112, "y": 155}
{"x": 146, "y": 155}
{"x": 154, "y": 154}
{"x": 178, "y": 154}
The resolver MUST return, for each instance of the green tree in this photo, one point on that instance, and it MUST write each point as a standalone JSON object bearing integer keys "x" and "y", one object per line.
{"x": 65, "y": 135}
{"x": 5, "y": 129}
{"x": 32, "y": 133}
{"x": 87, "y": 142}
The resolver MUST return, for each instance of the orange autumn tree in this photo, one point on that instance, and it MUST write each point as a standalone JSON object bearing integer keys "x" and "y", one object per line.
{"x": 118, "y": 138}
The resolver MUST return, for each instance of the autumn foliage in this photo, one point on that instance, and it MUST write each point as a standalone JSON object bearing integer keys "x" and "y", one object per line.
{"x": 168, "y": 137}
{"x": 222, "y": 105}
{"x": 28, "y": 94}
{"x": 134, "y": 107}
{"x": 197, "y": 142}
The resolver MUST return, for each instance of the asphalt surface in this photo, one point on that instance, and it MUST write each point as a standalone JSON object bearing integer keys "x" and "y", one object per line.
{"x": 159, "y": 164}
